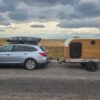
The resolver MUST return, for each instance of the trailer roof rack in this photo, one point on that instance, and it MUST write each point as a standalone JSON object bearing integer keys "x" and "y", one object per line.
{"x": 24, "y": 40}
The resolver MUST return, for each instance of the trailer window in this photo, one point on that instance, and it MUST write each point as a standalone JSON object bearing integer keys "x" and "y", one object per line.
{"x": 93, "y": 42}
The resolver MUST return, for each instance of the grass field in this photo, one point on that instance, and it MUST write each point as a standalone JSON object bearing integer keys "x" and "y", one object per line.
{"x": 55, "y": 47}
{"x": 2, "y": 41}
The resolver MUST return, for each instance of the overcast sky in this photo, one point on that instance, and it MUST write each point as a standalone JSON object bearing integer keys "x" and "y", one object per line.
{"x": 29, "y": 17}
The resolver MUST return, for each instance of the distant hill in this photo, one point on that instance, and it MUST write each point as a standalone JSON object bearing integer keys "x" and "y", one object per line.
{"x": 65, "y": 36}
{"x": 62, "y": 36}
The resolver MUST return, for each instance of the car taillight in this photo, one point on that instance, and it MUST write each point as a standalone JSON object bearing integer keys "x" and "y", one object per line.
{"x": 43, "y": 54}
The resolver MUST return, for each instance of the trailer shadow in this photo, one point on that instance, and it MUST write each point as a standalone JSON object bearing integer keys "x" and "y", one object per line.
{"x": 77, "y": 66}
{"x": 74, "y": 66}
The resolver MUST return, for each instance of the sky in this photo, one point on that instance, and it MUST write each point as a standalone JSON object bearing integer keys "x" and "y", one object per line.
{"x": 49, "y": 18}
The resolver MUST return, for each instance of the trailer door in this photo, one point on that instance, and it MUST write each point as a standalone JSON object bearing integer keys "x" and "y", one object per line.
{"x": 75, "y": 50}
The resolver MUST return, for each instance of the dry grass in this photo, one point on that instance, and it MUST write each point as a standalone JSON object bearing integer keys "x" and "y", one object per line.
{"x": 2, "y": 41}
{"x": 55, "y": 47}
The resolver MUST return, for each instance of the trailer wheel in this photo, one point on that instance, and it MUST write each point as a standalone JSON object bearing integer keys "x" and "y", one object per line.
{"x": 91, "y": 66}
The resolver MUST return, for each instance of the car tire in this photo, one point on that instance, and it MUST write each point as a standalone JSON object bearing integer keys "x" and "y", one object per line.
{"x": 30, "y": 64}
{"x": 91, "y": 66}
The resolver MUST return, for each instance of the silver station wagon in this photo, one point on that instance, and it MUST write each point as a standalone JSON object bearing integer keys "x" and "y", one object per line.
{"x": 28, "y": 55}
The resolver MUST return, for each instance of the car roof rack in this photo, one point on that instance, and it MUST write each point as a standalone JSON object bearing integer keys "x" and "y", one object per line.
{"x": 24, "y": 40}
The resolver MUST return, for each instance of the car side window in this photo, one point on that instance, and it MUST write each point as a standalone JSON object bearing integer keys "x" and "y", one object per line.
{"x": 30, "y": 49}
{"x": 6, "y": 48}
{"x": 23, "y": 48}
{"x": 17, "y": 48}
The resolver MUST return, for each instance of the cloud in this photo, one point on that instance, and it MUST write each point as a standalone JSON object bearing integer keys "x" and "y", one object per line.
{"x": 50, "y": 2}
{"x": 40, "y": 11}
{"x": 8, "y": 5}
{"x": 1, "y": 30}
{"x": 37, "y": 26}
{"x": 55, "y": 9}
{"x": 4, "y": 20}
{"x": 69, "y": 13}
{"x": 86, "y": 23}
{"x": 88, "y": 8}
{"x": 19, "y": 15}
{"x": 36, "y": 9}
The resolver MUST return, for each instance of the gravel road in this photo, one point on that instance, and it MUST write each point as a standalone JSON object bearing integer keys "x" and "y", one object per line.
{"x": 53, "y": 82}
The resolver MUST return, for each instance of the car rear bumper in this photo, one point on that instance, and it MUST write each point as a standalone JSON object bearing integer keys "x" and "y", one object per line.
{"x": 44, "y": 62}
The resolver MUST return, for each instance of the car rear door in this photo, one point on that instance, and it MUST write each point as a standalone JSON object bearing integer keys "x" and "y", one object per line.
{"x": 21, "y": 53}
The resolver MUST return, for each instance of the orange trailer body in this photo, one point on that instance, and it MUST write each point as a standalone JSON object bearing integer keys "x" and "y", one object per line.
{"x": 82, "y": 50}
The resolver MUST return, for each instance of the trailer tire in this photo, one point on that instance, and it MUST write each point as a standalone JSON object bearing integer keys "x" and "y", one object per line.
{"x": 91, "y": 66}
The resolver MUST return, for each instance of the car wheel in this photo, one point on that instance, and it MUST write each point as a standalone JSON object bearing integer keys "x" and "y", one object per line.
{"x": 92, "y": 66}
{"x": 30, "y": 64}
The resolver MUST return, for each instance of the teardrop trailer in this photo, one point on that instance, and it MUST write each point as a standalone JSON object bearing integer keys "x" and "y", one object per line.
{"x": 83, "y": 50}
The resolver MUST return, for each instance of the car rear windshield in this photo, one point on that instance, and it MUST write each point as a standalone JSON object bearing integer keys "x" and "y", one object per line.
{"x": 42, "y": 48}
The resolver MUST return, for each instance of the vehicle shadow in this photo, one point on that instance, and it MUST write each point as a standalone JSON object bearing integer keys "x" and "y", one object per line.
{"x": 77, "y": 66}
{"x": 11, "y": 67}
{"x": 42, "y": 67}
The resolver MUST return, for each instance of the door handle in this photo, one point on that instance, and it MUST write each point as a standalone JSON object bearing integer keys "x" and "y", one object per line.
{"x": 8, "y": 54}
{"x": 25, "y": 53}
